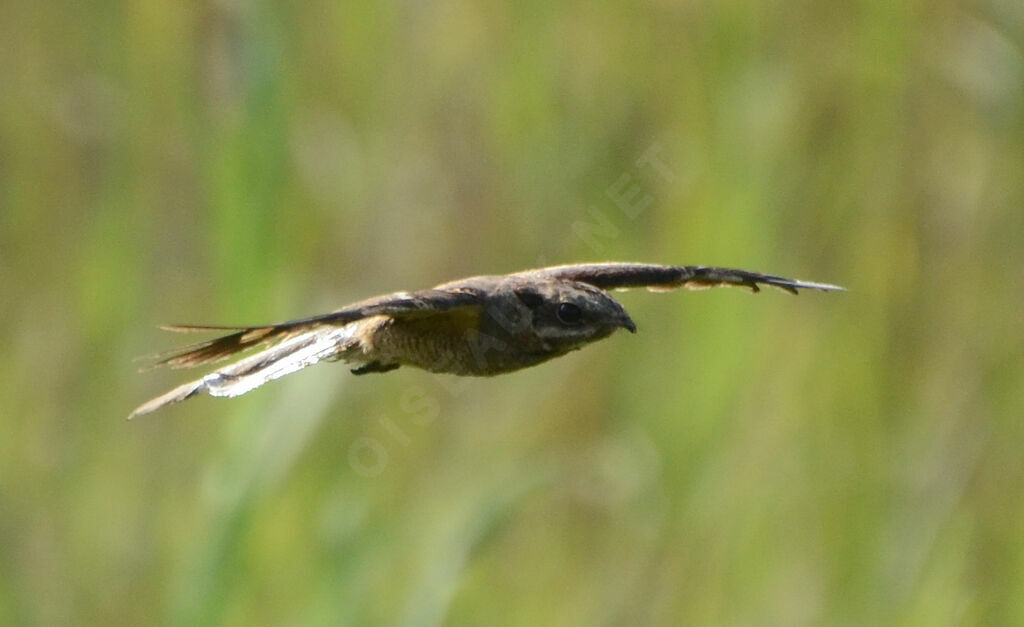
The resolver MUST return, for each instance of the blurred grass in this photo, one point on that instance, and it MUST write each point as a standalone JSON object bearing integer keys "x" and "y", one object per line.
{"x": 827, "y": 459}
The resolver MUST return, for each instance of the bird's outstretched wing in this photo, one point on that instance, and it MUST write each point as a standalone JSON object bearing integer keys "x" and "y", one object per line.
{"x": 613, "y": 276}
{"x": 295, "y": 344}
{"x": 302, "y": 349}
{"x": 400, "y": 304}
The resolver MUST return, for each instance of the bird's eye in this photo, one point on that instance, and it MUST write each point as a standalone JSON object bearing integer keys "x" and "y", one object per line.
{"x": 568, "y": 313}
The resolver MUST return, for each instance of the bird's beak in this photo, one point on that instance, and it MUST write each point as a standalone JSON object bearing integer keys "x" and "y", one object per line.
{"x": 627, "y": 323}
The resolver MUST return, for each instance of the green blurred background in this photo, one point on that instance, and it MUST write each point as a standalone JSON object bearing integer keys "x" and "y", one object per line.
{"x": 827, "y": 459}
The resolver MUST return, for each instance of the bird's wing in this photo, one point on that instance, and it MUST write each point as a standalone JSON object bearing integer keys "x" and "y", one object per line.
{"x": 613, "y": 276}
{"x": 293, "y": 353}
{"x": 400, "y": 305}
{"x": 295, "y": 344}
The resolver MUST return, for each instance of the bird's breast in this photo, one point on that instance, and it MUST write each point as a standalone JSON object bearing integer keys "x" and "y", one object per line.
{"x": 452, "y": 343}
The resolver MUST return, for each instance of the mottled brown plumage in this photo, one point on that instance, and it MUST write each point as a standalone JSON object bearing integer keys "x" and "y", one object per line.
{"x": 480, "y": 326}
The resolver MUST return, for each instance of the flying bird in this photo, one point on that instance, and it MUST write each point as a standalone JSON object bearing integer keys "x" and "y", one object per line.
{"x": 478, "y": 326}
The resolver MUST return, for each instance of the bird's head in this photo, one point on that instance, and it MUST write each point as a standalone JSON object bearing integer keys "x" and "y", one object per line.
{"x": 565, "y": 315}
